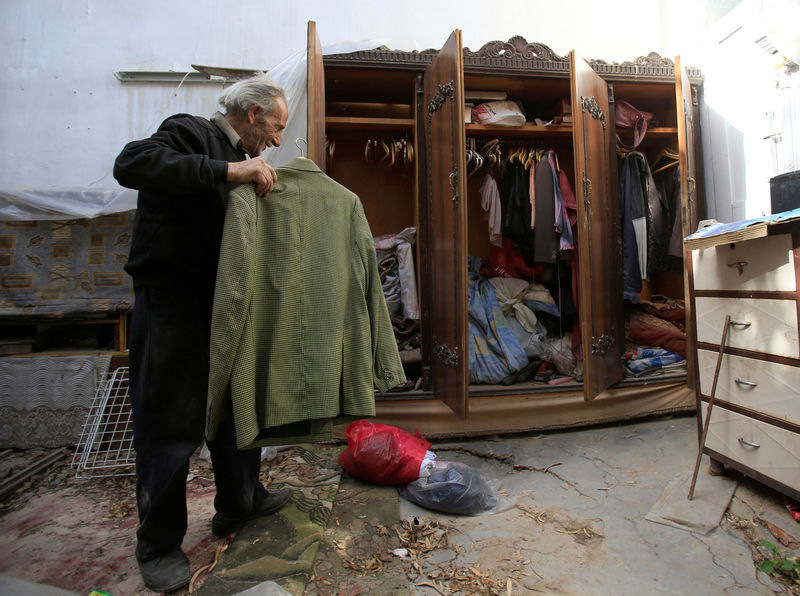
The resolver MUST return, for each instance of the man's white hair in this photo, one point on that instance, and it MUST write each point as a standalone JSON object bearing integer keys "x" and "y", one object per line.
{"x": 241, "y": 96}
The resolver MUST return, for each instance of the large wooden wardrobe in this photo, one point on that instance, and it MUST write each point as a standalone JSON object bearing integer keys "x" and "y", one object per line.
{"x": 359, "y": 103}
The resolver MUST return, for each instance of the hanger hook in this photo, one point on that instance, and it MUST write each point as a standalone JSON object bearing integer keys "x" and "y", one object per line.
{"x": 297, "y": 144}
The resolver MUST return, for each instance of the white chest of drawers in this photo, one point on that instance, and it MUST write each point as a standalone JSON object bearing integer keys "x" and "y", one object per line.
{"x": 749, "y": 271}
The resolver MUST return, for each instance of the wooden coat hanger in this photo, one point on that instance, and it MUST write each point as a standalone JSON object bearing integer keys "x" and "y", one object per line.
{"x": 665, "y": 152}
{"x": 664, "y": 167}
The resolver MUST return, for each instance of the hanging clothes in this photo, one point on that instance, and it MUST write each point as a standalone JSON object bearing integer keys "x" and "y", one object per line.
{"x": 637, "y": 206}
{"x": 516, "y": 210}
{"x": 666, "y": 175}
{"x": 492, "y": 207}
{"x": 569, "y": 300}
{"x": 562, "y": 222}
{"x": 658, "y": 226}
{"x": 546, "y": 239}
{"x": 640, "y": 204}
{"x": 631, "y": 268}
{"x": 301, "y": 334}
{"x": 532, "y": 192}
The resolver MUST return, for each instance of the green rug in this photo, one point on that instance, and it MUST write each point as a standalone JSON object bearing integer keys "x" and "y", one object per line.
{"x": 282, "y": 547}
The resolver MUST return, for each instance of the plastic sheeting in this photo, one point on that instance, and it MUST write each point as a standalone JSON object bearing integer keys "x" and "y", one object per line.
{"x": 25, "y": 204}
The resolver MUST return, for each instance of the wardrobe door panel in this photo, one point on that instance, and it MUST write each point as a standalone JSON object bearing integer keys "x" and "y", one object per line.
{"x": 600, "y": 302}
{"x": 445, "y": 154}
{"x": 690, "y": 213}
{"x": 315, "y": 86}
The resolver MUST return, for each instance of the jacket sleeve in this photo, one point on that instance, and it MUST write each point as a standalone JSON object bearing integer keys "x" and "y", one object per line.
{"x": 232, "y": 298}
{"x": 175, "y": 159}
{"x": 386, "y": 365}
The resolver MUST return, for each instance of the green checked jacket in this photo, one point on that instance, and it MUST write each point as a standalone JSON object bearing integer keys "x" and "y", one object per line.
{"x": 300, "y": 332}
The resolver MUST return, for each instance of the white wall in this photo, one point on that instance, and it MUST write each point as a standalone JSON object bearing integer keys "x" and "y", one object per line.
{"x": 742, "y": 116}
{"x": 65, "y": 116}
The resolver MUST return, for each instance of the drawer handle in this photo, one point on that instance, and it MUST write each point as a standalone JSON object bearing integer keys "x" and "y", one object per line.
{"x": 740, "y": 265}
{"x": 744, "y": 325}
{"x": 747, "y": 383}
{"x": 748, "y": 443}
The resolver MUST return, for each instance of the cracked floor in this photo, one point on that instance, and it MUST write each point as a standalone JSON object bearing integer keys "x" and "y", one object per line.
{"x": 571, "y": 520}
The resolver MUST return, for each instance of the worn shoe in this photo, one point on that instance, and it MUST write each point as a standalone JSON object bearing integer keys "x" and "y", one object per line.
{"x": 222, "y": 524}
{"x": 166, "y": 573}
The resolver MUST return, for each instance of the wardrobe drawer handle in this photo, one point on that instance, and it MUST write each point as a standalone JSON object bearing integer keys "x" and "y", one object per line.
{"x": 739, "y": 324}
{"x": 748, "y": 443}
{"x": 747, "y": 383}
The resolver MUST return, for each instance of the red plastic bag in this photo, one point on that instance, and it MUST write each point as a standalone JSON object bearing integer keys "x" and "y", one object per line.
{"x": 382, "y": 454}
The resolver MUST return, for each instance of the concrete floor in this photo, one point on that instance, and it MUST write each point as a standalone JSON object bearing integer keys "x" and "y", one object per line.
{"x": 579, "y": 527}
{"x": 571, "y": 520}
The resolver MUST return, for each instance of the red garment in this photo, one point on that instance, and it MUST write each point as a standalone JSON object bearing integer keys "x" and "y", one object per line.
{"x": 508, "y": 262}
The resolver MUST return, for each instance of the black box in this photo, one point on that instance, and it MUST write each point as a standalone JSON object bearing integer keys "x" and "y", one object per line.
{"x": 784, "y": 191}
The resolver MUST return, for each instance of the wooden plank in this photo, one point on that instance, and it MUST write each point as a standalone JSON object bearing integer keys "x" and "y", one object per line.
{"x": 347, "y": 123}
{"x": 315, "y": 88}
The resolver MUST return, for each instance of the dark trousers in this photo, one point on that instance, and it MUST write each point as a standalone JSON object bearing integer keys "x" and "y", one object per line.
{"x": 169, "y": 364}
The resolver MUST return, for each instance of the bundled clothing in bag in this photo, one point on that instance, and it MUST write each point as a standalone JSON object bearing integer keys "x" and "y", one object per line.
{"x": 382, "y": 454}
{"x": 494, "y": 350}
{"x": 451, "y": 487}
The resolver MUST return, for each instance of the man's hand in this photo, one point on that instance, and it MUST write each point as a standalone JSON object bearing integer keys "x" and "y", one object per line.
{"x": 253, "y": 170}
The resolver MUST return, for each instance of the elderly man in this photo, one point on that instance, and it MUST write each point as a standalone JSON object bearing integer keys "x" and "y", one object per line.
{"x": 183, "y": 174}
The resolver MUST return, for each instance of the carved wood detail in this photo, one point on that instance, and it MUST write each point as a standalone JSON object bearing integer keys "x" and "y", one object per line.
{"x": 518, "y": 53}
{"x": 516, "y": 48}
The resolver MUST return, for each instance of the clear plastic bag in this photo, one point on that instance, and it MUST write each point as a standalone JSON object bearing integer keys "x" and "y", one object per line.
{"x": 451, "y": 487}
{"x": 501, "y": 113}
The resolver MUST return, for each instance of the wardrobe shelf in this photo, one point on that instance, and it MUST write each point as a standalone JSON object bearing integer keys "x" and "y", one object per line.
{"x": 528, "y": 130}
{"x": 346, "y": 123}
{"x": 660, "y": 131}
{"x": 363, "y": 109}
{"x": 489, "y": 130}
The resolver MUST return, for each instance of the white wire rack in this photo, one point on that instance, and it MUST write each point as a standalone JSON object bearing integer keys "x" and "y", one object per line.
{"x": 106, "y": 444}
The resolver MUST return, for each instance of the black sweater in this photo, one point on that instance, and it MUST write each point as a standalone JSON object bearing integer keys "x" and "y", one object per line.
{"x": 180, "y": 173}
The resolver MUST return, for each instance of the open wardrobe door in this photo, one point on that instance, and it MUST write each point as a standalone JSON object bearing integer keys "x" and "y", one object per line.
{"x": 445, "y": 151}
{"x": 600, "y": 303}
{"x": 315, "y": 87}
{"x": 689, "y": 213}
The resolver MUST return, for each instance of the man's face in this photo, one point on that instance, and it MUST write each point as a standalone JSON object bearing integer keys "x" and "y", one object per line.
{"x": 264, "y": 130}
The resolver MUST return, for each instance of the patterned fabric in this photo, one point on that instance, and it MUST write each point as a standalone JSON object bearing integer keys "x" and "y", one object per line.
{"x": 65, "y": 267}
{"x": 644, "y": 359}
{"x": 301, "y": 334}
{"x": 649, "y": 330}
{"x": 494, "y": 351}
{"x": 46, "y": 399}
{"x": 282, "y": 547}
